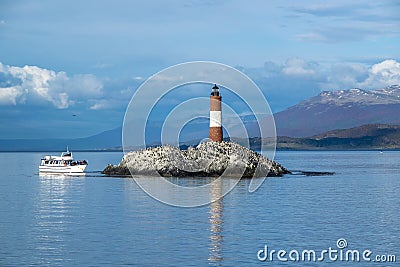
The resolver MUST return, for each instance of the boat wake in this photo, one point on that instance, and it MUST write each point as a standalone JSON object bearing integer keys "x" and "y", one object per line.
{"x": 311, "y": 173}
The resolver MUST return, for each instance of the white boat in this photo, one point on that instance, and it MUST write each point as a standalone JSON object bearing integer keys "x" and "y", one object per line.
{"x": 64, "y": 164}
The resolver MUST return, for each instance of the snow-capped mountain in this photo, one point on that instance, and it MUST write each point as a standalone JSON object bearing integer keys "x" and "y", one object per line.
{"x": 340, "y": 109}
{"x": 388, "y": 95}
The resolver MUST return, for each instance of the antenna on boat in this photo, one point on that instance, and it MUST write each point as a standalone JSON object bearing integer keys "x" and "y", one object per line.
{"x": 67, "y": 149}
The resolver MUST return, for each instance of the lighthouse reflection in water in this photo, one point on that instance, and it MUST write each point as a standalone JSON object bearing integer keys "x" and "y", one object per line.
{"x": 216, "y": 223}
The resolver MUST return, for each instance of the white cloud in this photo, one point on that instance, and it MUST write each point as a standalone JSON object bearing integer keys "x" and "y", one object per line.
{"x": 100, "y": 104}
{"x": 311, "y": 37}
{"x": 351, "y": 75}
{"x": 298, "y": 79}
{"x": 383, "y": 74}
{"x": 345, "y": 21}
{"x": 344, "y": 75}
{"x": 299, "y": 67}
{"x": 9, "y": 95}
{"x": 37, "y": 85}
{"x": 102, "y": 66}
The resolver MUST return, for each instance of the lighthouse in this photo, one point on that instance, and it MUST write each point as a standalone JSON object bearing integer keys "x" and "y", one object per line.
{"x": 215, "y": 115}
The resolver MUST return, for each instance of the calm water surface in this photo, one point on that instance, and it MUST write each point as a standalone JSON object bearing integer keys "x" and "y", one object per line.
{"x": 98, "y": 221}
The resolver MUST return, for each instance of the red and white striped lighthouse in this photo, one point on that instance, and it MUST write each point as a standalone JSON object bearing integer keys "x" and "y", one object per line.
{"x": 215, "y": 116}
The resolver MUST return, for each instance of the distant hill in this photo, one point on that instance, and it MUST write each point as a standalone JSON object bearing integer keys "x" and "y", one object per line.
{"x": 338, "y": 110}
{"x": 105, "y": 140}
{"x": 374, "y": 130}
{"x": 371, "y": 136}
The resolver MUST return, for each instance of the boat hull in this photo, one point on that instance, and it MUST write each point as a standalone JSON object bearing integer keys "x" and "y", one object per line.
{"x": 78, "y": 169}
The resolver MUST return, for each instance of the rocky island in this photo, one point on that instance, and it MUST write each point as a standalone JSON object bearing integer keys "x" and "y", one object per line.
{"x": 208, "y": 159}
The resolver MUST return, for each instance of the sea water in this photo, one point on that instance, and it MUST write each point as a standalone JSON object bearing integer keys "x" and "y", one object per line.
{"x": 102, "y": 221}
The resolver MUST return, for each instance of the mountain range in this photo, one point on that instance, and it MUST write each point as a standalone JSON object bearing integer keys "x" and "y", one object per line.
{"x": 312, "y": 123}
{"x": 341, "y": 109}
{"x": 370, "y": 136}
{"x": 107, "y": 140}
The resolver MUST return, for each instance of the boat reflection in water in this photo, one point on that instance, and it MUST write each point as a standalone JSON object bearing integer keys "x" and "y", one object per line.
{"x": 216, "y": 223}
{"x": 54, "y": 219}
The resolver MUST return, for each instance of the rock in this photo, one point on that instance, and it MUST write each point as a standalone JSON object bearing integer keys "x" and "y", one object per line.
{"x": 207, "y": 160}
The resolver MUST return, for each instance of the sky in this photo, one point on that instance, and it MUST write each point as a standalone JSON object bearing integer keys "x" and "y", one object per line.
{"x": 69, "y": 68}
